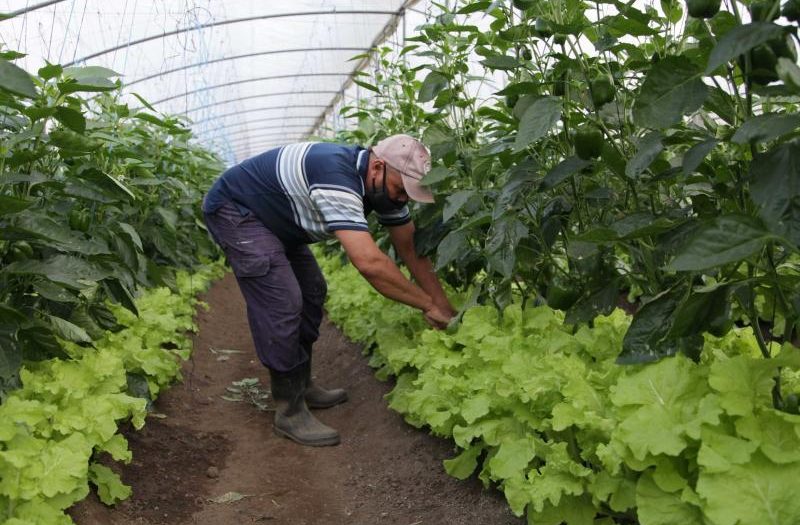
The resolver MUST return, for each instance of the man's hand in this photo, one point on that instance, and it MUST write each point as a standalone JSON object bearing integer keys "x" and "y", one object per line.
{"x": 420, "y": 267}
{"x": 447, "y": 309}
{"x": 437, "y": 317}
{"x": 385, "y": 277}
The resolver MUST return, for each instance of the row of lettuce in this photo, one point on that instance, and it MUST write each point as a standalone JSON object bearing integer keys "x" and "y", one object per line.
{"x": 55, "y": 429}
{"x": 541, "y": 409}
{"x": 102, "y": 251}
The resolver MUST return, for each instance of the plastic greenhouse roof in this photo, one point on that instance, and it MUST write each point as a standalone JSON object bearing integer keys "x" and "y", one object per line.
{"x": 249, "y": 74}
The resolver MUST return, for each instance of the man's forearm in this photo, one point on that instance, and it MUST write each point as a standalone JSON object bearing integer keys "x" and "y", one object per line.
{"x": 422, "y": 270}
{"x": 386, "y": 277}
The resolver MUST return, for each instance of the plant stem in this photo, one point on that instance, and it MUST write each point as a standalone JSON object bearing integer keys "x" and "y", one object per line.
{"x": 753, "y": 314}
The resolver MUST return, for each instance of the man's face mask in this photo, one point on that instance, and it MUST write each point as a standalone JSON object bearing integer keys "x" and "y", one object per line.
{"x": 379, "y": 198}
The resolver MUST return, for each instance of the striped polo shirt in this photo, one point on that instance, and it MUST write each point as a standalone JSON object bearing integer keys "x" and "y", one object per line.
{"x": 302, "y": 192}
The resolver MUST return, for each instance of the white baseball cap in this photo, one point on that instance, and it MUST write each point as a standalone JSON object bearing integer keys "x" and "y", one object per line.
{"x": 411, "y": 158}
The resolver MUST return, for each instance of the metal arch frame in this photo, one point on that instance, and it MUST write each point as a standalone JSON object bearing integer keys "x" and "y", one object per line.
{"x": 261, "y": 142}
{"x": 266, "y": 144}
{"x": 33, "y": 7}
{"x": 280, "y": 136}
{"x": 292, "y": 134}
{"x": 239, "y": 132}
{"x": 385, "y": 32}
{"x": 261, "y": 95}
{"x": 273, "y": 133}
{"x": 227, "y": 22}
{"x": 245, "y": 138}
{"x": 246, "y": 55}
{"x": 267, "y": 140}
{"x": 247, "y": 80}
{"x": 248, "y": 133}
{"x": 248, "y": 150}
{"x": 270, "y": 119}
{"x": 258, "y": 148}
{"x": 215, "y": 117}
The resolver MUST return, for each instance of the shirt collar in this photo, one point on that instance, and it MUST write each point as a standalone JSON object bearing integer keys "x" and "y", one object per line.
{"x": 362, "y": 162}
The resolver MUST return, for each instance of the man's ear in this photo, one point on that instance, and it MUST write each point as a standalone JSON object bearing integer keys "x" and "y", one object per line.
{"x": 376, "y": 163}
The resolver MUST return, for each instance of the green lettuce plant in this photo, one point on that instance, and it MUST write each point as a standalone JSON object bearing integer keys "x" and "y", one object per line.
{"x": 67, "y": 411}
{"x": 541, "y": 409}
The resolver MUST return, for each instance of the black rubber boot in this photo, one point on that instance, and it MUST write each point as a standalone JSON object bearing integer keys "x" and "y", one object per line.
{"x": 318, "y": 397}
{"x": 293, "y": 420}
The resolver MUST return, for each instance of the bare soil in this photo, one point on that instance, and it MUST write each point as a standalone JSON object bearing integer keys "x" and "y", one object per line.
{"x": 198, "y": 447}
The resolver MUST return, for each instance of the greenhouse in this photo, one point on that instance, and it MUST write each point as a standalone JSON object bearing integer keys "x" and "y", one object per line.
{"x": 484, "y": 262}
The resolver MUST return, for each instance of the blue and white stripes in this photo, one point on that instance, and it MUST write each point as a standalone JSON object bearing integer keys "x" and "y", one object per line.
{"x": 318, "y": 208}
{"x": 302, "y": 192}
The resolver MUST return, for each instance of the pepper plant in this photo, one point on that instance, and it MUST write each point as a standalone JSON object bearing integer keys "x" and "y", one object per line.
{"x": 96, "y": 201}
{"x": 635, "y": 155}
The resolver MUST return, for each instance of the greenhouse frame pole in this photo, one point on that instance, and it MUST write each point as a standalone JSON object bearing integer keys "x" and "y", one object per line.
{"x": 215, "y": 117}
{"x": 287, "y": 129}
{"x": 248, "y": 122}
{"x": 240, "y": 132}
{"x": 242, "y": 140}
{"x": 235, "y": 82}
{"x": 246, "y": 55}
{"x": 33, "y": 7}
{"x": 259, "y": 148}
{"x": 289, "y": 136}
{"x": 227, "y": 22}
{"x": 364, "y": 62}
{"x": 262, "y": 95}
{"x": 260, "y": 143}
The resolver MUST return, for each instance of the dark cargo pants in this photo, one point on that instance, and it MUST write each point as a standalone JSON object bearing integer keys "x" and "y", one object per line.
{"x": 282, "y": 285}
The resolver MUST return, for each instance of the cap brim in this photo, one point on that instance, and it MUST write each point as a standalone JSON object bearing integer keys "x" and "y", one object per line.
{"x": 417, "y": 191}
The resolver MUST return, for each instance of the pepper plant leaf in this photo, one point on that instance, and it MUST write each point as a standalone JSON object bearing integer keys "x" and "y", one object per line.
{"x": 695, "y": 155}
{"x": 562, "y": 171}
{"x": 431, "y": 86}
{"x": 671, "y": 89}
{"x": 71, "y": 118}
{"x": 9, "y": 204}
{"x": 739, "y": 40}
{"x": 722, "y": 240}
{"x": 16, "y": 80}
{"x": 646, "y": 152}
{"x": 775, "y": 189}
{"x": 762, "y": 128}
{"x": 537, "y": 120}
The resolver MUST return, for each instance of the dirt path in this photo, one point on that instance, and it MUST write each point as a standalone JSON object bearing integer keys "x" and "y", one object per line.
{"x": 384, "y": 472}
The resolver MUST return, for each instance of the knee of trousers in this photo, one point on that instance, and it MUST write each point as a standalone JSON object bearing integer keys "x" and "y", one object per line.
{"x": 294, "y": 304}
{"x": 270, "y": 307}
{"x": 316, "y": 292}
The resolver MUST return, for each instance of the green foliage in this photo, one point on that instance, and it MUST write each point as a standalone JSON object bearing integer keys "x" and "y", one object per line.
{"x": 68, "y": 410}
{"x": 96, "y": 203}
{"x": 541, "y": 409}
{"x": 110, "y": 488}
{"x": 100, "y": 222}
{"x": 685, "y": 130}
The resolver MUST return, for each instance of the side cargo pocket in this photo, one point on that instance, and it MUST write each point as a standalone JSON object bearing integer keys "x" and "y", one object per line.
{"x": 249, "y": 265}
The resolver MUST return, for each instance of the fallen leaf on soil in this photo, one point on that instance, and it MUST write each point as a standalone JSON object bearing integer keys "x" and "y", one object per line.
{"x": 229, "y": 497}
{"x": 224, "y": 351}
